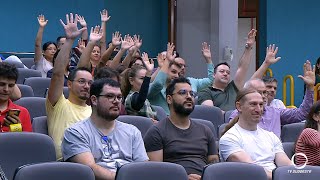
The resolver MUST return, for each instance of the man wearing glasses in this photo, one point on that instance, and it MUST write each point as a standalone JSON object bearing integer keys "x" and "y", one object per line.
{"x": 101, "y": 142}
{"x": 62, "y": 112}
{"x": 177, "y": 139}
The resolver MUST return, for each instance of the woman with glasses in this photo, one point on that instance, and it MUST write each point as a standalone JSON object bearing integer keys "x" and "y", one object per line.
{"x": 135, "y": 86}
{"x": 309, "y": 140}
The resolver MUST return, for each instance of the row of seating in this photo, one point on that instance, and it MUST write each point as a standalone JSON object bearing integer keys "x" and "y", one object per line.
{"x": 37, "y": 89}
{"x": 18, "y": 150}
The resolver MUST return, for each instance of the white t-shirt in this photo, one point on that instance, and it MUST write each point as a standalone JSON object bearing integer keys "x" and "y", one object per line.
{"x": 260, "y": 145}
{"x": 277, "y": 103}
{"x": 43, "y": 66}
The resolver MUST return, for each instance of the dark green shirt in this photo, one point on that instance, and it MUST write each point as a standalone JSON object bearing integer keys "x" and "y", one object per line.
{"x": 225, "y": 100}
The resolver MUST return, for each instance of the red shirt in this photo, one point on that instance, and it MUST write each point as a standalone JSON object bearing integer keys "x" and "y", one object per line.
{"x": 24, "y": 117}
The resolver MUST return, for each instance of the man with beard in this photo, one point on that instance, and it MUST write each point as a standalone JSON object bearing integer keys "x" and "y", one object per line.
{"x": 177, "y": 139}
{"x": 101, "y": 142}
{"x": 62, "y": 112}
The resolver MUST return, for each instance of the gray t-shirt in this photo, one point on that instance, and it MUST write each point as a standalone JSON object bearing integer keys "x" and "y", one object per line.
{"x": 123, "y": 145}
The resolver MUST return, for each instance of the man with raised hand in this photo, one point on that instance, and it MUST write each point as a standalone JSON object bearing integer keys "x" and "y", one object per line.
{"x": 222, "y": 94}
{"x": 62, "y": 112}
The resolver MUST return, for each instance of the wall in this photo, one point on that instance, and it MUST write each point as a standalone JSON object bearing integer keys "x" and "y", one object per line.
{"x": 294, "y": 27}
{"x": 19, "y": 20}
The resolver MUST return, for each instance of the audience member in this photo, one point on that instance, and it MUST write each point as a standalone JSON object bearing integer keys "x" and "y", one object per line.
{"x": 198, "y": 84}
{"x": 246, "y": 142}
{"x": 8, "y": 121}
{"x": 179, "y": 139}
{"x": 43, "y": 58}
{"x": 135, "y": 86}
{"x": 62, "y": 112}
{"x": 308, "y": 142}
{"x": 271, "y": 85}
{"x": 272, "y": 118}
{"x": 101, "y": 142}
{"x": 222, "y": 94}
{"x": 168, "y": 71}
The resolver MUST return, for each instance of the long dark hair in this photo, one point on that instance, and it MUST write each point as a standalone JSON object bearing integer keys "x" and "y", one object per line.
{"x": 240, "y": 98}
{"x": 125, "y": 81}
{"x": 317, "y": 69}
{"x": 310, "y": 122}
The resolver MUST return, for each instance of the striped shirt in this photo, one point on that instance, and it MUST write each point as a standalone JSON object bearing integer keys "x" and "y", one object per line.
{"x": 309, "y": 144}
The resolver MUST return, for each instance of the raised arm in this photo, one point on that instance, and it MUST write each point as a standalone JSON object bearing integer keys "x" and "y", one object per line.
{"x": 132, "y": 51}
{"x": 116, "y": 41}
{"x": 38, "y": 51}
{"x": 138, "y": 99}
{"x": 245, "y": 60}
{"x": 104, "y": 18}
{"x": 160, "y": 58}
{"x": 95, "y": 36}
{"x": 62, "y": 60}
{"x": 83, "y": 23}
{"x": 126, "y": 43}
{"x": 270, "y": 58}
{"x": 301, "y": 113}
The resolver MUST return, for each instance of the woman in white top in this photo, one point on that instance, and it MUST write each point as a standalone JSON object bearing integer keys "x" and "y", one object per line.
{"x": 43, "y": 58}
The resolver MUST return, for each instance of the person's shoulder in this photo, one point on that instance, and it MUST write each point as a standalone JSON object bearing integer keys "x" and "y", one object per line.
{"x": 231, "y": 133}
{"x": 82, "y": 125}
{"x": 308, "y": 131}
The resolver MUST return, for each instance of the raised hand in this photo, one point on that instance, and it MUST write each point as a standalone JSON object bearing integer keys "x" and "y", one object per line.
{"x": 96, "y": 34}
{"x": 71, "y": 29}
{"x": 137, "y": 41}
{"x": 104, "y": 15}
{"x": 127, "y": 42}
{"x": 251, "y": 37}
{"x": 161, "y": 58}
{"x": 308, "y": 77}
{"x": 271, "y": 53}
{"x": 81, "y": 45}
{"x": 148, "y": 64}
{"x": 116, "y": 38}
{"x": 170, "y": 52}
{"x": 206, "y": 52}
{"x": 82, "y": 21}
{"x": 42, "y": 20}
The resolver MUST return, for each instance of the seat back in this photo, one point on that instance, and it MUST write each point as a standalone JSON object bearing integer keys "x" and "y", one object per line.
{"x": 65, "y": 92}
{"x": 151, "y": 170}
{"x": 221, "y": 129}
{"x": 227, "y": 115}
{"x": 35, "y": 105}
{"x": 291, "y": 132}
{"x": 161, "y": 114}
{"x": 29, "y": 62}
{"x": 15, "y": 63}
{"x": 38, "y": 84}
{"x": 26, "y": 91}
{"x": 54, "y": 171}
{"x": 209, "y": 113}
{"x": 142, "y": 123}
{"x": 39, "y": 125}
{"x": 234, "y": 171}
{"x": 22, "y": 148}
{"x": 289, "y": 148}
{"x": 290, "y": 172}
{"x": 26, "y": 73}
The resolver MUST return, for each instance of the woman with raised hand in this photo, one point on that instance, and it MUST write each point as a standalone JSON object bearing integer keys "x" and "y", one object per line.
{"x": 43, "y": 58}
{"x": 90, "y": 56}
{"x": 308, "y": 142}
{"x": 135, "y": 86}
